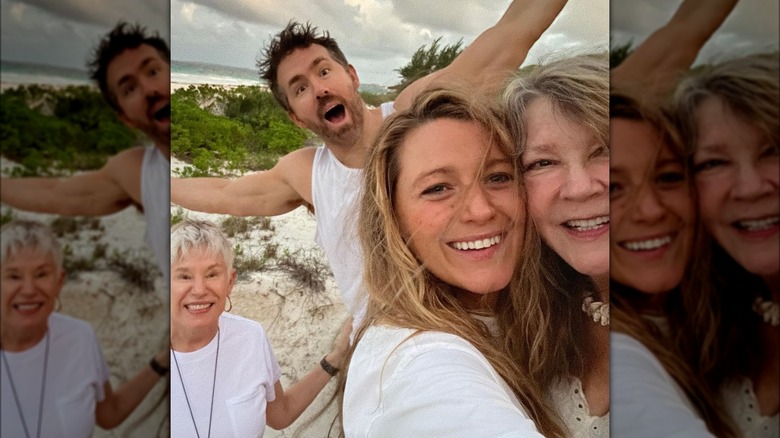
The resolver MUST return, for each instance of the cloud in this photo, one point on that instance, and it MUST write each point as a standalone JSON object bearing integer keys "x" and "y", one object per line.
{"x": 64, "y": 32}
{"x": 105, "y": 13}
{"x": 378, "y": 36}
{"x": 752, "y": 25}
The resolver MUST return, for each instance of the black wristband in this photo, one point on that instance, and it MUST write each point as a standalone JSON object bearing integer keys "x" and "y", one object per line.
{"x": 330, "y": 369}
{"x": 159, "y": 369}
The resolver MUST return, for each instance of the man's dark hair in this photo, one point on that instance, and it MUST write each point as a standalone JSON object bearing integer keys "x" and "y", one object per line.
{"x": 122, "y": 37}
{"x": 294, "y": 36}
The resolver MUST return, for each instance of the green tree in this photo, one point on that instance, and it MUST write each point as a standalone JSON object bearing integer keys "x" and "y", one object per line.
{"x": 426, "y": 61}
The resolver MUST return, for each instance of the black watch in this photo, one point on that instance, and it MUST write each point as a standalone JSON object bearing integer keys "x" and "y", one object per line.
{"x": 330, "y": 369}
{"x": 159, "y": 369}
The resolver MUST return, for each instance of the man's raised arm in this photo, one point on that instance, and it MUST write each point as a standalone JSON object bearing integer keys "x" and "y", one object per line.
{"x": 657, "y": 64}
{"x": 496, "y": 53}
{"x": 266, "y": 193}
{"x": 100, "y": 192}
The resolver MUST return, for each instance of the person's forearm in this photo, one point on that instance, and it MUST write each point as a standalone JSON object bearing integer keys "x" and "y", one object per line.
{"x": 499, "y": 51}
{"x": 299, "y": 396}
{"x": 703, "y": 17}
{"x": 59, "y": 196}
{"x": 26, "y": 193}
{"x": 655, "y": 67}
{"x": 126, "y": 398}
{"x": 531, "y": 17}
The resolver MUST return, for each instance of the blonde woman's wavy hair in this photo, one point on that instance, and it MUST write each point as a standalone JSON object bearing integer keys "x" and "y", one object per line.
{"x": 577, "y": 88}
{"x": 690, "y": 349}
{"x": 402, "y": 292}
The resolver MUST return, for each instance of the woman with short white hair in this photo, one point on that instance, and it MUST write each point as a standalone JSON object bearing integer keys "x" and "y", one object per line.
{"x": 225, "y": 380}
{"x": 55, "y": 381}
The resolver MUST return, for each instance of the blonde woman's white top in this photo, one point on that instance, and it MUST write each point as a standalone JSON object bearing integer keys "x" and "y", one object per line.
{"x": 570, "y": 404}
{"x": 742, "y": 405}
{"x": 645, "y": 400}
{"x": 431, "y": 384}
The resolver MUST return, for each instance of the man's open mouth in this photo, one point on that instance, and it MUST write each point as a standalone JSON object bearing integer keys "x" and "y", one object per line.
{"x": 336, "y": 114}
{"x": 163, "y": 113}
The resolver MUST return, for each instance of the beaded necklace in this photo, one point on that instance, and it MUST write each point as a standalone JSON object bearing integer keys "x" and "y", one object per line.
{"x": 597, "y": 310}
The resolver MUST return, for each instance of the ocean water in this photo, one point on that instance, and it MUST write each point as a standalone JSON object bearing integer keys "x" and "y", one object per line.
{"x": 27, "y": 73}
{"x": 203, "y": 73}
{"x": 181, "y": 72}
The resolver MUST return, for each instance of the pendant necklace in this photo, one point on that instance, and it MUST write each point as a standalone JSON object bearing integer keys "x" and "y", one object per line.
{"x": 43, "y": 389}
{"x": 213, "y": 386}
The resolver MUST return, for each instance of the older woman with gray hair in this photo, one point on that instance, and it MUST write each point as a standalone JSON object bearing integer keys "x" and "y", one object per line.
{"x": 54, "y": 377}
{"x": 226, "y": 379}
{"x": 558, "y": 114}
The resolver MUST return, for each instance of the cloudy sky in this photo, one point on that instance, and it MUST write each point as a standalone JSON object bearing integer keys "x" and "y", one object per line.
{"x": 378, "y": 36}
{"x": 63, "y": 32}
{"x": 751, "y": 26}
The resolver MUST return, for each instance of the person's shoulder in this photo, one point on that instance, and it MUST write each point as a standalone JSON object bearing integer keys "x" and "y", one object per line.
{"x": 624, "y": 342}
{"x": 133, "y": 153}
{"x": 128, "y": 160}
{"x": 405, "y": 342}
{"x": 65, "y": 328}
{"x": 301, "y": 155}
{"x": 60, "y": 321}
{"x": 239, "y": 323}
{"x": 298, "y": 162}
{"x": 632, "y": 359}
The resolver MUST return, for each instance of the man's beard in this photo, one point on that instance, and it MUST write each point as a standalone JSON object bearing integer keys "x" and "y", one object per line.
{"x": 347, "y": 135}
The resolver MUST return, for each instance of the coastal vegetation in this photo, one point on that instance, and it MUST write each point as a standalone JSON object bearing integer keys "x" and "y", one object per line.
{"x": 226, "y": 131}
{"x": 54, "y": 131}
{"x": 222, "y": 131}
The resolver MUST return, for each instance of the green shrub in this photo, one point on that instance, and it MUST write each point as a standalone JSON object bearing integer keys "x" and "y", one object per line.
{"x": 240, "y": 130}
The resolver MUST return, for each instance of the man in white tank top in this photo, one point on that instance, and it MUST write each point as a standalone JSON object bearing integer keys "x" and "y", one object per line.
{"x": 311, "y": 78}
{"x": 132, "y": 70}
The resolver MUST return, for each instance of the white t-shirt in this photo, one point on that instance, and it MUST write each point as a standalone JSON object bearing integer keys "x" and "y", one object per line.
{"x": 156, "y": 198}
{"x": 245, "y": 376}
{"x": 647, "y": 401}
{"x": 430, "y": 385}
{"x": 75, "y": 376}
{"x": 335, "y": 189}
